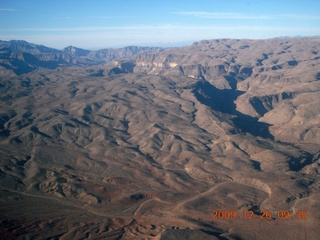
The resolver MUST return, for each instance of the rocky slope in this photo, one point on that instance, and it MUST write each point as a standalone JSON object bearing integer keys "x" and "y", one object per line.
{"x": 269, "y": 79}
{"x": 22, "y": 57}
{"x": 148, "y": 148}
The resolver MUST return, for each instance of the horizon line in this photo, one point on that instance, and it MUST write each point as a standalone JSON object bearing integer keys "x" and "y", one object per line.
{"x": 167, "y": 43}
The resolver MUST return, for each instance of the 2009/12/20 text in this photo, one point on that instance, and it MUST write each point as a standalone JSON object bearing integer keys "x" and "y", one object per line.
{"x": 263, "y": 214}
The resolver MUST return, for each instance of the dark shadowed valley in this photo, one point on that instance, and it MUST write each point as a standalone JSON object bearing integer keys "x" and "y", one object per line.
{"x": 216, "y": 140}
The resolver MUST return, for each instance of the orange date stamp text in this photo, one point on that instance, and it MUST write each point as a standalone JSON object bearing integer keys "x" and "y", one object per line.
{"x": 262, "y": 214}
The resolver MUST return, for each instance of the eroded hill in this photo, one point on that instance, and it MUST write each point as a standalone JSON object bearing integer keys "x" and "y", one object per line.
{"x": 148, "y": 148}
{"x": 21, "y": 57}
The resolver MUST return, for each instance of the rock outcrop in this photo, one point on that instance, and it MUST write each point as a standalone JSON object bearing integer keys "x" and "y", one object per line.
{"x": 20, "y": 57}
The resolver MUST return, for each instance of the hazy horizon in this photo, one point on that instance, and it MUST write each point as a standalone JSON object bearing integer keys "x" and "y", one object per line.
{"x": 219, "y": 139}
{"x": 164, "y": 44}
{"x": 116, "y": 24}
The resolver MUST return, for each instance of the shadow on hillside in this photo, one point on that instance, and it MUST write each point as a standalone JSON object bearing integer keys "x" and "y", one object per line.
{"x": 223, "y": 101}
{"x": 28, "y": 63}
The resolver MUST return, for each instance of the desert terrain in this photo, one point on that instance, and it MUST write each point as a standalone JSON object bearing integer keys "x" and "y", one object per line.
{"x": 216, "y": 140}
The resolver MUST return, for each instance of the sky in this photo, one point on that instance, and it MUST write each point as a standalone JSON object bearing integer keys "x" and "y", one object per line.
{"x": 95, "y": 24}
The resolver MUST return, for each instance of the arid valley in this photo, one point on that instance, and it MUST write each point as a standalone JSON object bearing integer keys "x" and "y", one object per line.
{"x": 216, "y": 140}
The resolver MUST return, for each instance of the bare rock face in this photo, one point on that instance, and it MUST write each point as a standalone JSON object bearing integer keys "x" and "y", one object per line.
{"x": 271, "y": 75}
{"x": 26, "y": 47}
{"x": 74, "y": 51}
{"x": 242, "y": 59}
{"x": 22, "y": 57}
{"x": 217, "y": 140}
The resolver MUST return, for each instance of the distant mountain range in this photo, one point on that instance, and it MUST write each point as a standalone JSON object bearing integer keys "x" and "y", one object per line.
{"x": 157, "y": 143}
{"x": 22, "y": 57}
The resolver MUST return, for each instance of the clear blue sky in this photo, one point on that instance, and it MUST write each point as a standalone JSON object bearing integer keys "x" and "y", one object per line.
{"x": 94, "y": 24}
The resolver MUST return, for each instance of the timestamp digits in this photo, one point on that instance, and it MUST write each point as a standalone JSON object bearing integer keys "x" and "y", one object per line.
{"x": 263, "y": 214}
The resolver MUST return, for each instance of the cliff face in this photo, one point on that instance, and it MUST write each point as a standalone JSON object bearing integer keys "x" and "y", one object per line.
{"x": 260, "y": 76}
{"x": 33, "y": 56}
{"x": 26, "y": 47}
{"x": 228, "y": 62}
{"x": 267, "y": 79}
{"x": 150, "y": 146}
{"x": 110, "y": 54}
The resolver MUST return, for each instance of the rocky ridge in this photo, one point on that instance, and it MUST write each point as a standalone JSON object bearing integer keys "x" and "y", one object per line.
{"x": 21, "y": 57}
{"x": 149, "y": 146}
{"x": 267, "y": 79}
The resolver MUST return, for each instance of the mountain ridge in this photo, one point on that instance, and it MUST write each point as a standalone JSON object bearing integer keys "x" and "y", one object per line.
{"x": 152, "y": 146}
{"x": 33, "y": 56}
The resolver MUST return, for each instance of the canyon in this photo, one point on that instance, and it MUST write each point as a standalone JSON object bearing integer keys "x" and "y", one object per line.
{"x": 147, "y": 142}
